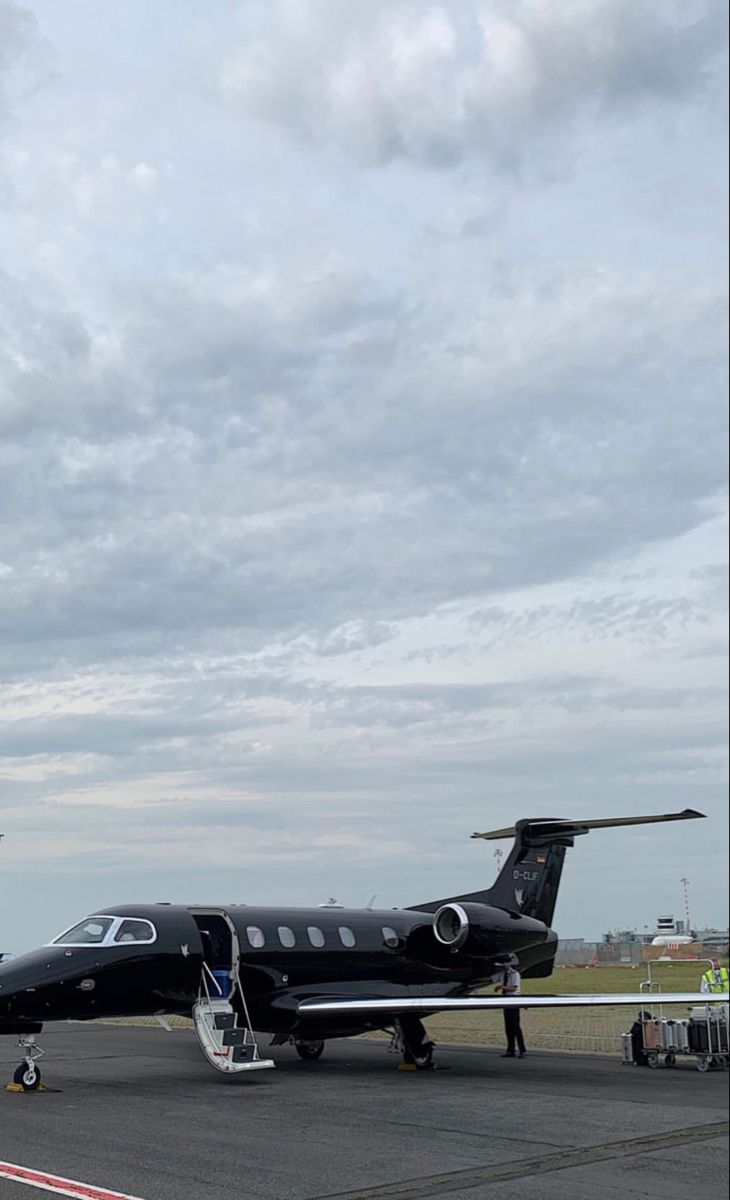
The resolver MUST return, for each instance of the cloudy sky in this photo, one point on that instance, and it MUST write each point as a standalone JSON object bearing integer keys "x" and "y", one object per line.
{"x": 362, "y": 450}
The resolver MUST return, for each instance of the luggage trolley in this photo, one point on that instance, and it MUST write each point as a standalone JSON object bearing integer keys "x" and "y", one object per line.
{"x": 704, "y": 1034}
{"x": 708, "y": 1036}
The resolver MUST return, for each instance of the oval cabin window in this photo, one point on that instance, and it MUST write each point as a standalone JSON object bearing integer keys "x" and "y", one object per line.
{"x": 255, "y": 937}
{"x": 316, "y": 936}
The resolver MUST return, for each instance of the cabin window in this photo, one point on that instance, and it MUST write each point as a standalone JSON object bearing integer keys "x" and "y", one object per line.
{"x": 347, "y": 937}
{"x": 135, "y": 931}
{"x": 390, "y": 937}
{"x": 286, "y": 937}
{"x": 90, "y": 932}
{"x": 316, "y": 936}
{"x": 255, "y": 937}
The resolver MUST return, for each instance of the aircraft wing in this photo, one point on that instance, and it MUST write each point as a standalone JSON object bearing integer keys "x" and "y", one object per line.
{"x": 432, "y": 1004}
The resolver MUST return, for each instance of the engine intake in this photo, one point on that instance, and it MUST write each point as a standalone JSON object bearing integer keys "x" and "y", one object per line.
{"x": 481, "y": 930}
{"x": 451, "y": 926}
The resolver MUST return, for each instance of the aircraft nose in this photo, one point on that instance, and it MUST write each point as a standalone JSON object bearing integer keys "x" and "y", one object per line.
{"x": 27, "y": 983}
{"x": 11, "y": 983}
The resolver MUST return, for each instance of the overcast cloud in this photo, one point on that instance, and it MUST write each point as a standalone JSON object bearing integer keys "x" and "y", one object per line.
{"x": 363, "y": 469}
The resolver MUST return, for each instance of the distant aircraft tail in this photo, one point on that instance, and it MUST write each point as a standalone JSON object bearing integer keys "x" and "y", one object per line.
{"x": 529, "y": 880}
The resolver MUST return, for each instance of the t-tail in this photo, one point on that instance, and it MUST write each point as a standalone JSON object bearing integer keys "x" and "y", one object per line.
{"x": 529, "y": 880}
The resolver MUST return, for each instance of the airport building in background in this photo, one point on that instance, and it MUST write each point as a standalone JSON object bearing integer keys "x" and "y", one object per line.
{"x": 636, "y": 946}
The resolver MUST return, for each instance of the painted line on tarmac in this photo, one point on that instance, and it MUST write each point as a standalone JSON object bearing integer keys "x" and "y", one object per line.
{"x": 436, "y": 1186}
{"x": 59, "y": 1185}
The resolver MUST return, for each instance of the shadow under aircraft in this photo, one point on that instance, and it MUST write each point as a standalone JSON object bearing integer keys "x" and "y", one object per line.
{"x": 305, "y": 975}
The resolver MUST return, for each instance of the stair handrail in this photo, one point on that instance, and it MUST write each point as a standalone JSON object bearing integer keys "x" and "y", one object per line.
{"x": 247, "y": 1015}
{"x": 207, "y": 971}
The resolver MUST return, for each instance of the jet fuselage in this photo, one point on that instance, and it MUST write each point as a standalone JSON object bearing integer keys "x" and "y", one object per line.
{"x": 284, "y": 955}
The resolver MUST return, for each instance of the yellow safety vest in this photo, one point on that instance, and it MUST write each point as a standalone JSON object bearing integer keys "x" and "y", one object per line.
{"x": 715, "y": 984}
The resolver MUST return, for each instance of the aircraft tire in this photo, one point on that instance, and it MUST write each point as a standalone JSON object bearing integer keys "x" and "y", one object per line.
{"x": 29, "y": 1078}
{"x": 309, "y": 1051}
{"x": 424, "y": 1061}
{"x": 416, "y": 1045}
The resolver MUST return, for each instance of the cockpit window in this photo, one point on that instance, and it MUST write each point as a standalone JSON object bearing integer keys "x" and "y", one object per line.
{"x": 107, "y": 931}
{"x": 90, "y": 932}
{"x": 135, "y": 931}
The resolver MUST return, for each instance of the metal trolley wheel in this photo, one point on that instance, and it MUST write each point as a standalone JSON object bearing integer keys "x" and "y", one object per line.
{"x": 712, "y": 1062}
{"x": 652, "y": 1060}
{"x": 670, "y": 1060}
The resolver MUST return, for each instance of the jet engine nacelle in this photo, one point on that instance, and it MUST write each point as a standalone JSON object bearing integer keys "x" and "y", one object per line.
{"x": 455, "y": 925}
{"x": 481, "y": 930}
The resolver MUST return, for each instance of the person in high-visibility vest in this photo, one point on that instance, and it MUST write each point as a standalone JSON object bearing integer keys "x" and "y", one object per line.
{"x": 716, "y": 979}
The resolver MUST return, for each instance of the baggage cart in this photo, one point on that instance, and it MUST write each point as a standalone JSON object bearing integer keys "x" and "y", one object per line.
{"x": 703, "y": 1034}
{"x": 708, "y": 1038}
{"x": 665, "y": 1040}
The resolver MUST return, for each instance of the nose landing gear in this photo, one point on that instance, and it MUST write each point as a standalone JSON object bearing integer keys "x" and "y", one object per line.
{"x": 27, "y": 1077}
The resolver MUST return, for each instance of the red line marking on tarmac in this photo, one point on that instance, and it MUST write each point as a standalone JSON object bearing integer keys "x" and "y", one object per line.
{"x": 59, "y": 1185}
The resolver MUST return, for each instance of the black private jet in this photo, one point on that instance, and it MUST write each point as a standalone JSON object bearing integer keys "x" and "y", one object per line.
{"x": 307, "y": 975}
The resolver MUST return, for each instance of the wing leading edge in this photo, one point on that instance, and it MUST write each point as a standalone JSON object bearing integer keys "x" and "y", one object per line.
{"x": 433, "y": 1004}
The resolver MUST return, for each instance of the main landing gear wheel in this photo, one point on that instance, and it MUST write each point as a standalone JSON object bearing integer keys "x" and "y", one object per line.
{"x": 415, "y": 1045}
{"x": 28, "y": 1075}
{"x": 309, "y": 1051}
{"x": 423, "y": 1060}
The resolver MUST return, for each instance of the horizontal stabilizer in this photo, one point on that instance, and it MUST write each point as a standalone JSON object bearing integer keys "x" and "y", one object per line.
{"x": 550, "y": 827}
{"x": 434, "y": 1004}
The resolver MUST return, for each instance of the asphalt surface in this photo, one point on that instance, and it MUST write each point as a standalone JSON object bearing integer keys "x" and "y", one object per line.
{"x": 139, "y": 1111}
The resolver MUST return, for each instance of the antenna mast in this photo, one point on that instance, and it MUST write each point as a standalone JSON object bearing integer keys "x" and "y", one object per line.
{"x": 685, "y": 897}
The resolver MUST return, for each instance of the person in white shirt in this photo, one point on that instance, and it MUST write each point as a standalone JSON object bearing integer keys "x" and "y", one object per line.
{"x": 509, "y": 983}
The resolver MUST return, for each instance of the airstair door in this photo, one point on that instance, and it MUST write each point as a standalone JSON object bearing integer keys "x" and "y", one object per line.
{"x": 220, "y": 1014}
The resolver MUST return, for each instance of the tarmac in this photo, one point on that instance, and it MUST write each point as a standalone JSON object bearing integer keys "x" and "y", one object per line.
{"x": 139, "y": 1111}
